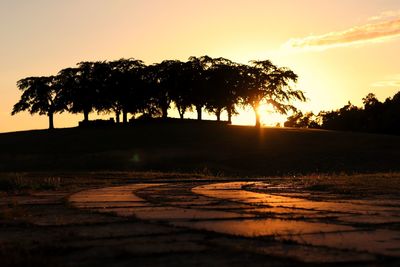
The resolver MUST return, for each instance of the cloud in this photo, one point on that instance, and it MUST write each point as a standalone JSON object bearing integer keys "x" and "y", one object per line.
{"x": 386, "y": 15}
{"x": 368, "y": 33}
{"x": 392, "y": 81}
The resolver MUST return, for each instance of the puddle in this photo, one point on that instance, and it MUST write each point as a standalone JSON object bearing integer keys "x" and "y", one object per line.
{"x": 264, "y": 227}
{"x": 233, "y": 192}
{"x": 110, "y": 194}
{"x": 122, "y": 201}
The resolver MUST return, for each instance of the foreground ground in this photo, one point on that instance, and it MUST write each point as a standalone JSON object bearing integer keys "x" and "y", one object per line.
{"x": 158, "y": 219}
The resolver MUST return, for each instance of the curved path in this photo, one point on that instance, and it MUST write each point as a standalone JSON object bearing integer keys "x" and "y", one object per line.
{"x": 318, "y": 230}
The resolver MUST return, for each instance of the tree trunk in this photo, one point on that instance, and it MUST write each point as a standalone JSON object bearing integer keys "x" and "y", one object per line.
{"x": 124, "y": 116}
{"x": 181, "y": 113}
{"x": 229, "y": 116}
{"x": 51, "y": 122}
{"x": 86, "y": 116}
{"x": 257, "y": 113}
{"x": 117, "y": 115}
{"x": 199, "y": 115}
{"x": 164, "y": 111}
{"x": 258, "y": 122}
{"x": 218, "y": 114}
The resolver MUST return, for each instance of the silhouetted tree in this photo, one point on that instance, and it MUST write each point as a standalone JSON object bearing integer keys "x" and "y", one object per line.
{"x": 390, "y": 118}
{"x": 216, "y": 84}
{"x": 349, "y": 117}
{"x": 375, "y": 117}
{"x": 370, "y": 101}
{"x": 372, "y": 114}
{"x": 82, "y": 87}
{"x": 223, "y": 83}
{"x": 268, "y": 84}
{"x": 167, "y": 85}
{"x": 300, "y": 120}
{"x": 181, "y": 93}
{"x": 40, "y": 95}
{"x": 197, "y": 82}
{"x": 123, "y": 88}
{"x": 172, "y": 85}
{"x": 294, "y": 120}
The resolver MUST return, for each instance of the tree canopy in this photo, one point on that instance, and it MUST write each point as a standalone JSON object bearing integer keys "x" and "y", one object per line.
{"x": 265, "y": 83}
{"x": 40, "y": 95}
{"x": 129, "y": 86}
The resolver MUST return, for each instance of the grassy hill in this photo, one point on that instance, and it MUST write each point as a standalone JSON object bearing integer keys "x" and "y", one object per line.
{"x": 194, "y": 147}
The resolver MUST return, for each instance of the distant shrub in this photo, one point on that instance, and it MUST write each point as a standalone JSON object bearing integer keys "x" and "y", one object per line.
{"x": 97, "y": 123}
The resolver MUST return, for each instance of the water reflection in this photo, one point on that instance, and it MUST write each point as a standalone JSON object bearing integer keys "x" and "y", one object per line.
{"x": 234, "y": 192}
{"x": 265, "y": 227}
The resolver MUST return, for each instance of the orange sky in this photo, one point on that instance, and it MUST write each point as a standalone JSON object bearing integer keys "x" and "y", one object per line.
{"x": 341, "y": 49}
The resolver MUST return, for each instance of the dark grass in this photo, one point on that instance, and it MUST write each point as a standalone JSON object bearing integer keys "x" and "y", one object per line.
{"x": 17, "y": 182}
{"x": 199, "y": 147}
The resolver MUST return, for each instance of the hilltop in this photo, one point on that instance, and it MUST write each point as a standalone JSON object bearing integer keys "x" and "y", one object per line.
{"x": 199, "y": 147}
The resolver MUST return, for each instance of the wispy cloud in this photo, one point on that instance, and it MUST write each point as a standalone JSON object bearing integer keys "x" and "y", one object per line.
{"x": 377, "y": 31}
{"x": 385, "y": 15}
{"x": 391, "y": 81}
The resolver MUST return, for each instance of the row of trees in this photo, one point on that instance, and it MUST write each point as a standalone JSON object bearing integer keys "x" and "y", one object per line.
{"x": 128, "y": 86}
{"x": 373, "y": 117}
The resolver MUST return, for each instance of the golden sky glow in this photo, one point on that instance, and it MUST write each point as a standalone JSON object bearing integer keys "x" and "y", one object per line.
{"x": 341, "y": 50}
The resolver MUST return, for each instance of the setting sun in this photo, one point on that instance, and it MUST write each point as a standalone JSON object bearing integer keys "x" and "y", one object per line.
{"x": 270, "y": 117}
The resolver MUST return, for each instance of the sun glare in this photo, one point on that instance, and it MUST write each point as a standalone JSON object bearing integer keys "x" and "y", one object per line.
{"x": 269, "y": 117}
